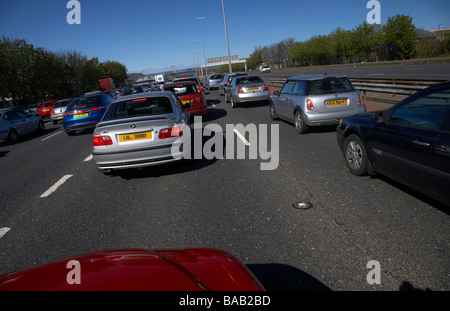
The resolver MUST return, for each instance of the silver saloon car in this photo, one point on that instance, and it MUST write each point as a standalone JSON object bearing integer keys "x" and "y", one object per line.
{"x": 14, "y": 124}
{"x": 142, "y": 130}
{"x": 245, "y": 89}
{"x": 315, "y": 100}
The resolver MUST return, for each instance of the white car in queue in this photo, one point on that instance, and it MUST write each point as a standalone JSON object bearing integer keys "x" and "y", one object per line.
{"x": 142, "y": 130}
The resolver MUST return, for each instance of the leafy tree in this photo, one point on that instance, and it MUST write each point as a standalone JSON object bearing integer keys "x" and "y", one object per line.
{"x": 116, "y": 70}
{"x": 400, "y": 37}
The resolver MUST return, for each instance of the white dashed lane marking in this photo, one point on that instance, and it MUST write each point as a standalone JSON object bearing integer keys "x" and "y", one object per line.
{"x": 55, "y": 186}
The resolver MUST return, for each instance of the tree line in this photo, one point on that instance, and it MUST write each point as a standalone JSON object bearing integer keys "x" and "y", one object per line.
{"x": 30, "y": 74}
{"x": 398, "y": 39}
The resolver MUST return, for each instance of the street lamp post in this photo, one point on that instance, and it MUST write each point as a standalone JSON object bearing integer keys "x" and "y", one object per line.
{"x": 203, "y": 43}
{"x": 196, "y": 51}
{"x": 226, "y": 35}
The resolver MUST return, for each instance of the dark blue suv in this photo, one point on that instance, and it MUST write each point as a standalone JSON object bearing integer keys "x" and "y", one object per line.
{"x": 85, "y": 112}
{"x": 409, "y": 142}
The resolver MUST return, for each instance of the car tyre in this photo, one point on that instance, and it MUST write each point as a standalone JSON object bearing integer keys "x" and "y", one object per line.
{"x": 70, "y": 133}
{"x": 41, "y": 126}
{"x": 356, "y": 155}
{"x": 300, "y": 126}
{"x": 226, "y": 98}
{"x": 273, "y": 113}
{"x": 13, "y": 137}
{"x": 233, "y": 103}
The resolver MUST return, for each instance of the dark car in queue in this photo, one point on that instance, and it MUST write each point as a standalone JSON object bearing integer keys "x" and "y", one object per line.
{"x": 142, "y": 130}
{"x": 15, "y": 123}
{"x": 132, "y": 90}
{"x": 188, "y": 269}
{"x": 189, "y": 92}
{"x": 245, "y": 89}
{"x": 315, "y": 100}
{"x": 409, "y": 142}
{"x": 85, "y": 112}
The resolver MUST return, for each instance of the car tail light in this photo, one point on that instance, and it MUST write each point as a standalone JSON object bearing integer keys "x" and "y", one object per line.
{"x": 309, "y": 104}
{"x": 240, "y": 90}
{"x": 266, "y": 88}
{"x": 170, "y": 132}
{"x": 360, "y": 102}
{"x": 98, "y": 108}
{"x": 102, "y": 141}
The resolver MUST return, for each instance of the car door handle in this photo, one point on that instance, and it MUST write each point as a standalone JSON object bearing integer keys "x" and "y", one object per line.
{"x": 421, "y": 143}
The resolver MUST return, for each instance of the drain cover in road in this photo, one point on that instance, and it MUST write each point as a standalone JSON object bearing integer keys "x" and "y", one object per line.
{"x": 302, "y": 205}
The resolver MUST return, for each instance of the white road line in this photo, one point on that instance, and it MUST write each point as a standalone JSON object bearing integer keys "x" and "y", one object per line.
{"x": 51, "y": 136}
{"x": 55, "y": 186}
{"x": 3, "y": 231}
{"x": 89, "y": 158}
{"x": 241, "y": 137}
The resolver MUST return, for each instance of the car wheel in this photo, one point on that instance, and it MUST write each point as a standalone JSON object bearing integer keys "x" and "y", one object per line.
{"x": 355, "y": 155}
{"x": 41, "y": 126}
{"x": 273, "y": 113}
{"x": 13, "y": 137}
{"x": 299, "y": 123}
{"x": 226, "y": 98}
{"x": 233, "y": 103}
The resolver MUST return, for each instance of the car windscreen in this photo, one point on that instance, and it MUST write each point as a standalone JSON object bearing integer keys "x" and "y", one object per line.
{"x": 84, "y": 102}
{"x": 149, "y": 106}
{"x": 132, "y": 90}
{"x": 330, "y": 85}
{"x": 216, "y": 77}
{"x": 181, "y": 90}
{"x": 248, "y": 80}
{"x": 48, "y": 104}
{"x": 60, "y": 104}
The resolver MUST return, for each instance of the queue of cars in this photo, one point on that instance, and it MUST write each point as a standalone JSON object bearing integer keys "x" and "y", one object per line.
{"x": 409, "y": 142}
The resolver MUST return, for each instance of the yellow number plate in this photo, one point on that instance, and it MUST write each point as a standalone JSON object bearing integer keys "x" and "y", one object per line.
{"x": 336, "y": 102}
{"x": 184, "y": 102}
{"x": 135, "y": 136}
{"x": 80, "y": 115}
{"x": 253, "y": 89}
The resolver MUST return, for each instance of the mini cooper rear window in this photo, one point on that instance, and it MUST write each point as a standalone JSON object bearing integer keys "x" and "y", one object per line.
{"x": 331, "y": 85}
{"x": 138, "y": 107}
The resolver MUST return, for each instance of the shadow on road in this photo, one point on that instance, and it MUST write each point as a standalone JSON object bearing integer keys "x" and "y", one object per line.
{"x": 280, "y": 277}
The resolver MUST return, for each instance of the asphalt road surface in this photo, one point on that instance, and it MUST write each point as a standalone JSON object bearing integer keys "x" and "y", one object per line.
{"x": 230, "y": 204}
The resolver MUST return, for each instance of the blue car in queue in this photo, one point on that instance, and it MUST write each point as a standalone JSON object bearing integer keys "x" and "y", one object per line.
{"x": 85, "y": 112}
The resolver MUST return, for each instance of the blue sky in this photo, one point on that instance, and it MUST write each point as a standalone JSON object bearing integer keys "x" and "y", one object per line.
{"x": 152, "y": 36}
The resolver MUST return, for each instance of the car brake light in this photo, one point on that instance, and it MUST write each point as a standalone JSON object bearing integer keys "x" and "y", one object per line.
{"x": 309, "y": 104}
{"x": 360, "y": 102}
{"x": 170, "y": 132}
{"x": 102, "y": 141}
{"x": 266, "y": 88}
{"x": 240, "y": 90}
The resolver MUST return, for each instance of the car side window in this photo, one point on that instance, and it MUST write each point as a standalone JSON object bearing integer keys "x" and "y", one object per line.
{"x": 287, "y": 87}
{"x": 299, "y": 88}
{"x": 427, "y": 111}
